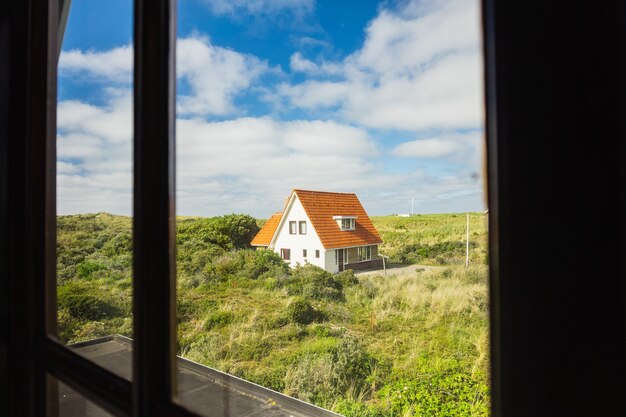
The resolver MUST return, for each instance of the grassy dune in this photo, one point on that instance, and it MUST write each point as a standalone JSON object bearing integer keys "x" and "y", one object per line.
{"x": 403, "y": 345}
{"x": 433, "y": 239}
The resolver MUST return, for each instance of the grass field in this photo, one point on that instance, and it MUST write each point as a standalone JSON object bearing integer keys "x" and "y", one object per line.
{"x": 402, "y": 345}
{"x": 433, "y": 239}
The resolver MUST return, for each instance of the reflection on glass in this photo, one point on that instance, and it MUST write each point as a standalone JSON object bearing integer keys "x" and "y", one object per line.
{"x": 332, "y": 130}
{"x": 72, "y": 404}
{"x": 94, "y": 174}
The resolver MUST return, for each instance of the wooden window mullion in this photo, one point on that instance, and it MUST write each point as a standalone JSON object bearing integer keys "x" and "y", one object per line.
{"x": 154, "y": 207}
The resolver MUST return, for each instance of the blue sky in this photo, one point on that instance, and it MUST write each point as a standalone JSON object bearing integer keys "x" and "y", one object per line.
{"x": 381, "y": 98}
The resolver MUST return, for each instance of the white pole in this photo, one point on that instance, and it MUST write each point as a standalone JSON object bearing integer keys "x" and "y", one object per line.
{"x": 411, "y": 206}
{"x": 467, "y": 243}
{"x": 384, "y": 267}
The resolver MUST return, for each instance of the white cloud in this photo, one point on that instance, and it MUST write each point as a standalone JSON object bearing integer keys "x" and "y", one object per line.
{"x": 249, "y": 165}
{"x": 426, "y": 148}
{"x": 441, "y": 146}
{"x": 419, "y": 68}
{"x": 113, "y": 65}
{"x": 235, "y": 165}
{"x": 66, "y": 168}
{"x": 298, "y": 63}
{"x": 214, "y": 75}
{"x": 311, "y": 94}
{"x": 245, "y": 163}
{"x": 94, "y": 148}
{"x": 233, "y": 8}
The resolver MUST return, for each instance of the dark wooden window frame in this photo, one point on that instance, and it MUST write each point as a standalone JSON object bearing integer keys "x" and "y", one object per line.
{"x": 301, "y": 227}
{"x": 293, "y": 227}
{"x": 30, "y": 33}
{"x": 554, "y": 77}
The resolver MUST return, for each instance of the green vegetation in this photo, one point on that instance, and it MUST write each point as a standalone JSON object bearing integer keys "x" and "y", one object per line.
{"x": 433, "y": 239}
{"x": 369, "y": 346}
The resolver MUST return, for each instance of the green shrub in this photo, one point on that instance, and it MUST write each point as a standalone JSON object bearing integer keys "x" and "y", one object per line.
{"x": 310, "y": 281}
{"x": 120, "y": 244}
{"x": 352, "y": 364}
{"x": 270, "y": 283}
{"x": 87, "y": 307}
{"x": 354, "y": 408}
{"x": 256, "y": 263}
{"x": 218, "y": 319}
{"x": 326, "y": 330}
{"x": 189, "y": 308}
{"x": 226, "y": 266}
{"x": 273, "y": 378}
{"x": 449, "y": 392}
{"x": 240, "y": 228}
{"x": 249, "y": 348}
{"x": 302, "y": 312}
{"x": 86, "y": 268}
{"x": 347, "y": 278}
{"x": 310, "y": 379}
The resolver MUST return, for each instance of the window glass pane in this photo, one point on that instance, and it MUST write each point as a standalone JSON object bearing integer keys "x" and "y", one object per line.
{"x": 70, "y": 403}
{"x": 293, "y": 120}
{"x": 94, "y": 174}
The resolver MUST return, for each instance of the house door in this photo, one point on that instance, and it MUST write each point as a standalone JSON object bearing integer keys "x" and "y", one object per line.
{"x": 340, "y": 259}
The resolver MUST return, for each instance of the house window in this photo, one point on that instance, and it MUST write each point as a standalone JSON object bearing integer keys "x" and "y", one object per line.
{"x": 365, "y": 253}
{"x": 317, "y": 253}
{"x": 348, "y": 224}
{"x": 302, "y": 226}
{"x": 292, "y": 228}
{"x": 304, "y": 253}
{"x": 285, "y": 254}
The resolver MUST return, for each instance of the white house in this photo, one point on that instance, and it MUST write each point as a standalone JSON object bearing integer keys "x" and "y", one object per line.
{"x": 330, "y": 230}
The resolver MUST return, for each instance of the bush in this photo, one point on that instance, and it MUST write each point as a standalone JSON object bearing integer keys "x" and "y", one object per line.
{"x": 240, "y": 229}
{"x": 226, "y": 266}
{"x": 353, "y": 408}
{"x": 352, "y": 364}
{"x": 249, "y": 348}
{"x": 88, "y": 267}
{"x": 218, "y": 319}
{"x": 87, "y": 307}
{"x": 120, "y": 244}
{"x": 272, "y": 378}
{"x": 449, "y": 392}
{"x": 256, "y": 263}
{"x": 302, "y": 312}
{"x": 310, "y": 379}
{"x": 310, "y": 281}
{"x": 347, "y": 278}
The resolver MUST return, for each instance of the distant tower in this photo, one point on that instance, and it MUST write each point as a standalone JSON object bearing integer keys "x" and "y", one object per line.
{"x": 412, "y": 206}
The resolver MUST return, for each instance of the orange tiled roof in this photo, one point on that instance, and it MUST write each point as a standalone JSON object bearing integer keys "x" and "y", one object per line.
{"x": 321, "y": 206}
{"x": 265, "y": 235}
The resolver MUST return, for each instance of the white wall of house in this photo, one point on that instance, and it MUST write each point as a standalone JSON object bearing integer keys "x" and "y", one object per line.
{"x": 298, "y": 242}
{"x": 330, "y": 264}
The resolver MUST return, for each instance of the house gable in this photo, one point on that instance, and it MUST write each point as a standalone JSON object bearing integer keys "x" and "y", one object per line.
{"x": 297, "y": 242}
{"x": 325, "y": 208}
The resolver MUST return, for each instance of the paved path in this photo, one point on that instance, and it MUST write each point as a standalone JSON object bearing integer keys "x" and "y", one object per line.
{"x": 399, "y": 269}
